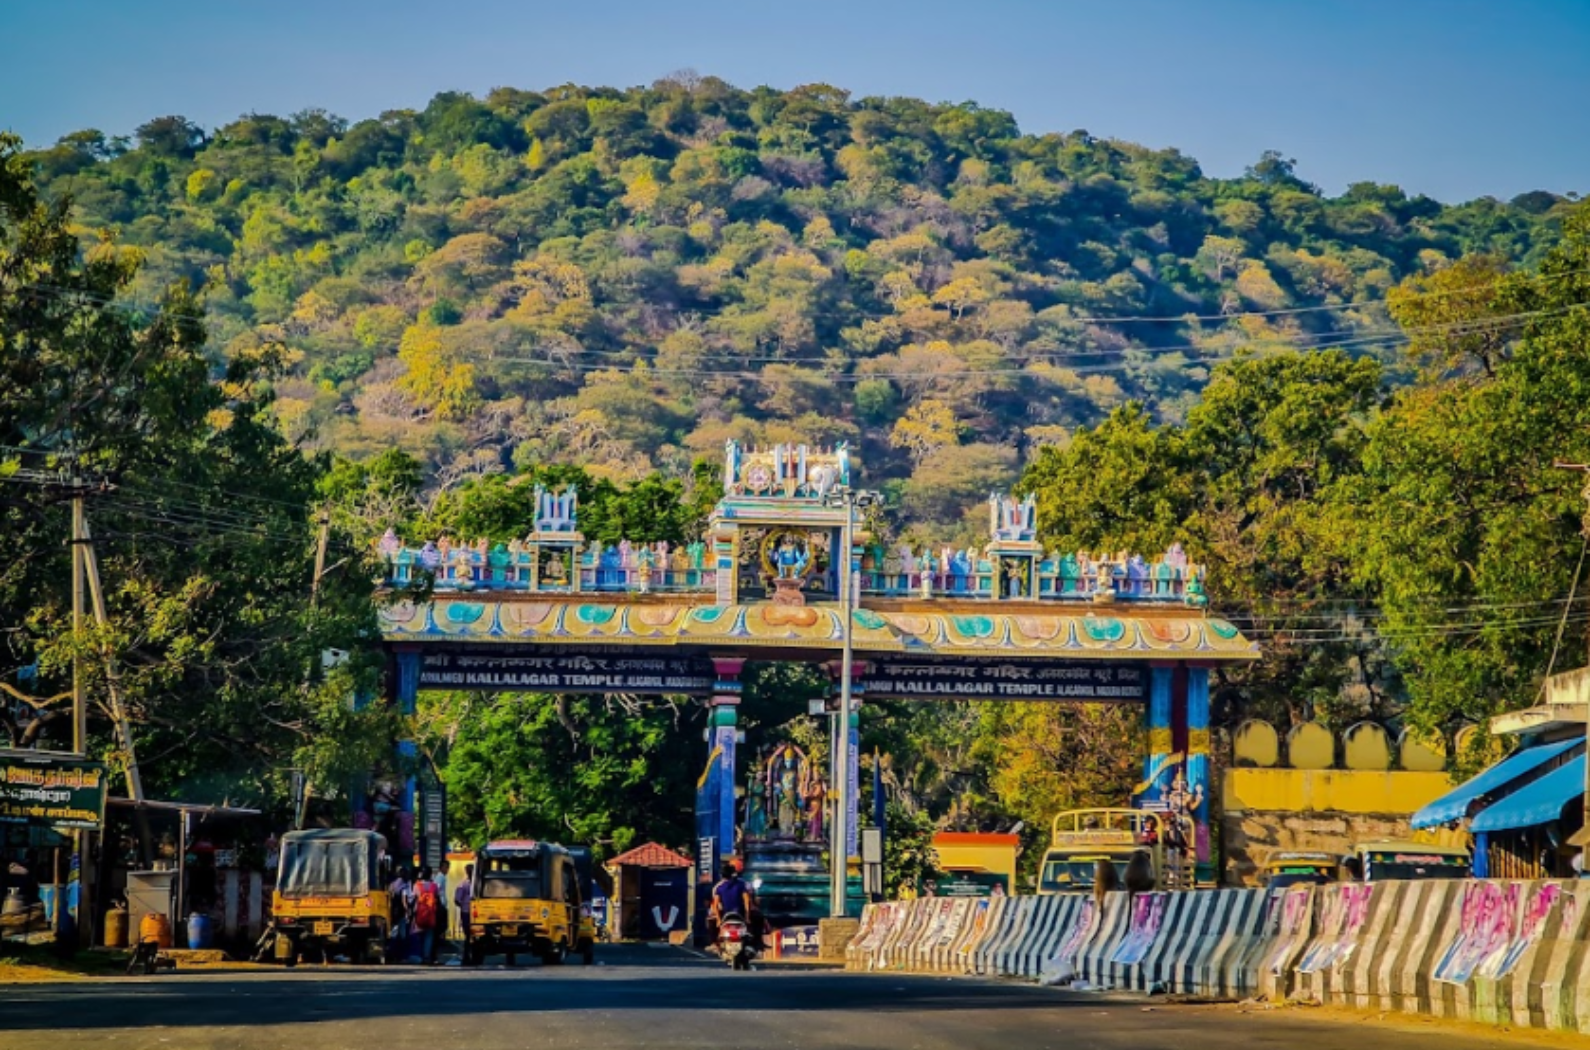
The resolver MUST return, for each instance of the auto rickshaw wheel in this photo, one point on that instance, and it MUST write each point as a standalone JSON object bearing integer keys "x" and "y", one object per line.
{"x": 513, "y": 959}
{"x": 553, "y": 956}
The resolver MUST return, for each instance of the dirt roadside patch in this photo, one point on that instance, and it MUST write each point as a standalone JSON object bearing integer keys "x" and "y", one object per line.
{"x": 1343, "y": 1017}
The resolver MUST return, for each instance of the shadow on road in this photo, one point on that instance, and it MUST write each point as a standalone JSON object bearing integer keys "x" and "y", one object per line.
{"x": 630, "y": 980}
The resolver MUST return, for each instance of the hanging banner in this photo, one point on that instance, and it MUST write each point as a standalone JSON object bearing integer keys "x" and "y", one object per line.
{"x": 970, "y": 678}
{"x": 51, "y": 791}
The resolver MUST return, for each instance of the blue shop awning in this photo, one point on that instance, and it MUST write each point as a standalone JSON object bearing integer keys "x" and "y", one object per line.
{"x": 1454, "y": 805}
{"x": 1538, "y": 802}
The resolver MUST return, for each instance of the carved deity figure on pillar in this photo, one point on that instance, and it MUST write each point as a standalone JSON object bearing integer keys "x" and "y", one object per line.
{"x": 1183, "y": 803}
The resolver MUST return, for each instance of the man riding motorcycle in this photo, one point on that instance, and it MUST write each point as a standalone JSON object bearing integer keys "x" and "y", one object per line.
{"x": 734, "y": 896}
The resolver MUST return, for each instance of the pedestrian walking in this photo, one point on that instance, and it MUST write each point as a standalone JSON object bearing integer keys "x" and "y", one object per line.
{"x": 443, "y": 930}
{"x": 462, "y": 895}
{"x": 401, "y": 894}
{"x": 427, "y": 906}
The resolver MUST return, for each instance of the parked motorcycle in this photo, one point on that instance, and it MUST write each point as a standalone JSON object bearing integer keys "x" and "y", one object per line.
{"x": 734, "y": 942}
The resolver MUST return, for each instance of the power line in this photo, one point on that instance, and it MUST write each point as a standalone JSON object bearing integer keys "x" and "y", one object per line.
{"x": 1161, "y": 319}
{"x": 140, "y": 486}
{"x": 1215, "y": 354}
{"x": 121, "y": 303}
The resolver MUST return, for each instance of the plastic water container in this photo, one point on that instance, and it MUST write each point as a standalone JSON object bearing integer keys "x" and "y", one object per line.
{"x": 200, "y": 929}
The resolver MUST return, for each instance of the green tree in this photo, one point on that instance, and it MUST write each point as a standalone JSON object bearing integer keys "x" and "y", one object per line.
{"x": 609, "y": 772}
{"x": 202, "y": 527}
{"x": 1465, "y": 527}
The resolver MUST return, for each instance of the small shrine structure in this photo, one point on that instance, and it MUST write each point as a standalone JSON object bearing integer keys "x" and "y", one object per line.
{"x": 1010, "y": 620}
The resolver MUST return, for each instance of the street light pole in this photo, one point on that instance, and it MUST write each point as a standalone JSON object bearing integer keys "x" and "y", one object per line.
{"x": 839, "y": 852}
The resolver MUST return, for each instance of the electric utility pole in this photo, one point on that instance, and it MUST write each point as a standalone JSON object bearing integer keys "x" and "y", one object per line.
{"x": 1582, "y": 839}
{"x": 118, "y": 713}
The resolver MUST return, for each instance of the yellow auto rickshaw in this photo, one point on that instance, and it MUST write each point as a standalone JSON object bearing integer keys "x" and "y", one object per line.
{"x": 1382, "y": 860}
{"x": 329, "y": 895}
{"x": 1297, "y": 868}
{"x": 525, "y": 898}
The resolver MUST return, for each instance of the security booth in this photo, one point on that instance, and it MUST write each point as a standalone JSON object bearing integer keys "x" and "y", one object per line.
{"x": 976, "y": 864}
{"x": 652, "y": 890}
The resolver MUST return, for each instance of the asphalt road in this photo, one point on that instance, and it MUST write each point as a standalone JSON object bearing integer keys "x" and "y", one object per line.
{"x": 645, "y": 998}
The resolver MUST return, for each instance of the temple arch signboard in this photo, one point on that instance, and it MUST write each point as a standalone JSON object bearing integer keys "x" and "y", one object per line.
{"x": 1006, "y": 621}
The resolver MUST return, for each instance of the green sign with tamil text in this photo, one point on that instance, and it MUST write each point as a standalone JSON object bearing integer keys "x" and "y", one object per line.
{"x": 51, "y": 791}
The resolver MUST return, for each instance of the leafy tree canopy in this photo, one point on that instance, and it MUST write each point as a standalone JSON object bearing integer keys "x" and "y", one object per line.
{"x": 626, "y": 278}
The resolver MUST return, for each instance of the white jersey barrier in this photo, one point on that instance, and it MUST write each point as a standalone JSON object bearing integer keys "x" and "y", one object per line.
{"x": 1504, "y": 952}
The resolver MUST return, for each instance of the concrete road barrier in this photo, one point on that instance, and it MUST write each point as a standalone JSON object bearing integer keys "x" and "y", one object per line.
{"x": 1094, "y": 954}
{"x": 1499, "y": 951}
{"x": 1001, "y": 955}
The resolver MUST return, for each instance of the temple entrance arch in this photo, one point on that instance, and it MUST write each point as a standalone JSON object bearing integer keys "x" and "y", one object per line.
{"x": 1007, "y": 621}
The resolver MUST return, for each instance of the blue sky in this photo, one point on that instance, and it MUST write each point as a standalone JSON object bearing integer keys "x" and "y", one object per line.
{"x": 1454, "y": 98}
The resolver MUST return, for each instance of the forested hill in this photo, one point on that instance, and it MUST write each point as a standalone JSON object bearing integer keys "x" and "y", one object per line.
{"x": 628, "y": 278}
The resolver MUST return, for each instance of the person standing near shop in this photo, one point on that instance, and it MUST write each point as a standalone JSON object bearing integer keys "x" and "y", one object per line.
{"x": 442, "y": 931}
{"x": 427, "y": 909}
{"x": 465, "y": 893}
{"x": 402, "y": 896}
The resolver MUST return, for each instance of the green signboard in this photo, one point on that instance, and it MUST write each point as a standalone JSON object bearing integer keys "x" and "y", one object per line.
{"x": 51, "y": 791}
{"x": 972, "y": 884}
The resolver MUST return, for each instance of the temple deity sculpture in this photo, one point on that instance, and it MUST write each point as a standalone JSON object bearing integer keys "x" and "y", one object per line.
{"x": 816, "y": 795}
{"x": 790, "y": 560}
{"x": 892, "y": 566}
{"x": 756, "y": 804}
{"x": 1136, "y": 576}
{"x": 786, "y": 773}
{"x": 641, "y": 576}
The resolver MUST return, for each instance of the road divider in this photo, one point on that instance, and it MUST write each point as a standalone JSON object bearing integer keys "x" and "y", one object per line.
{"x": 1498, "y": 951}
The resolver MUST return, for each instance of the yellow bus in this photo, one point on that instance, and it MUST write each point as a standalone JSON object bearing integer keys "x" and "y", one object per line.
{"x": 1080, "y": 838}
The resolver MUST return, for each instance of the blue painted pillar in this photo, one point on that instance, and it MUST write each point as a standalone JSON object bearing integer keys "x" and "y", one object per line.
{"x": 853, "y": 768}
{"x": 858, "y": 670}
{"x": 1198, "y": 756}
{"x": 723, "y": 742}
{"x": 1158, "y": 723}
{"x": 408, "y": 689}
{"x": 1482, "y": 855}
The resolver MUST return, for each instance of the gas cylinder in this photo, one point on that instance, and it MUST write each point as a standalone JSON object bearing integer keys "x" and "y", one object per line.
{"x": 116, "y": 927}
{"x": 155, "y": 928}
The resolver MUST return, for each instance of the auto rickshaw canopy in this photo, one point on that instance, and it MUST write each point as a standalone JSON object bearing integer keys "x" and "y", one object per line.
{"x": 330, "y": 862}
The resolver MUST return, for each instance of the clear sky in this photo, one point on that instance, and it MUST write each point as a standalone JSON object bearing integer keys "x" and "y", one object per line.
{"x": 1454, "y": 98}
